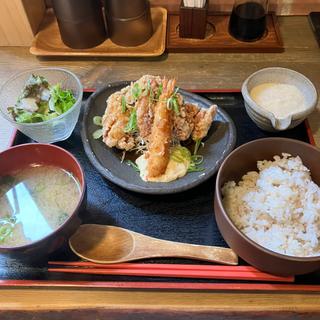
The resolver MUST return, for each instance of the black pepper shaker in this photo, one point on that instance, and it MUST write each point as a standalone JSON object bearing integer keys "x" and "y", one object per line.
{"x": 80, "y": 22}
{"x": 129, "y": 21}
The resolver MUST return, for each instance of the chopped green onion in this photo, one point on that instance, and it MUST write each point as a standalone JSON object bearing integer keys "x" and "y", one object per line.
{"x": 133, "y": 165}
{"x": 197, "y": 145}
{"x": 7, "y": 225}
{"x": 150, "y": 91}
{"x": 123, "y": 156}
{"x": 147, "y": 89}
{"x": 123, "y": 104}
{"x": 197, "y": 159}
{"x": 151, "y": 96}
{"x": 159, "y": 92}
{"x": 131, "y": 126}
{"x": 97, "y": 120}
{"x": 195, "y": 169}
{"x": 97, "y": 134}
{"x": 136, "y": 91}
{"x": 172, "y": 102}
{"x": 175, "y": 106}
{"x": 5, "y": 231}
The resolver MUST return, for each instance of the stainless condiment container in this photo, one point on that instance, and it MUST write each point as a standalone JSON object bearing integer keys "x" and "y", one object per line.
{"x": 129, "y": 21}
{"x": 81, "y": 22}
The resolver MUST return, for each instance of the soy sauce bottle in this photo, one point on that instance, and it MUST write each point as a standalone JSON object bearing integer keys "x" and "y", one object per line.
{"x": 248, "y": 20}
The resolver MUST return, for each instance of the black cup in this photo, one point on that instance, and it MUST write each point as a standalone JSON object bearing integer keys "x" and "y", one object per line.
{"x": 125, "y": 9}
{"x": 248, "y": 21}
{"x": 129, "y": 21}
{"x": 80, "y": 22}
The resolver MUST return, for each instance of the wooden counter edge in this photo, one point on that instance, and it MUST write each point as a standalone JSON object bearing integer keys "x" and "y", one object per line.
{"x": 44, "y": 303}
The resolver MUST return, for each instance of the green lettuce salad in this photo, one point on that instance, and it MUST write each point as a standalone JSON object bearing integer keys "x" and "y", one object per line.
{"x": 40, "y": 101}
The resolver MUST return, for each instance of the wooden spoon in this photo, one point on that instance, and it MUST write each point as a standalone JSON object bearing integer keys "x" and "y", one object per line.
{"x": 108, "y": 244}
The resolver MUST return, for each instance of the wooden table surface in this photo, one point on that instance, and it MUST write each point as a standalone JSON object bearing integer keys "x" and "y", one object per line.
{"x": 193, "y": 71}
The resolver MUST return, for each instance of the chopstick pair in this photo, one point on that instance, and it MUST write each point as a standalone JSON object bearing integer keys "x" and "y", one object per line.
{"x": 246, "y": 273}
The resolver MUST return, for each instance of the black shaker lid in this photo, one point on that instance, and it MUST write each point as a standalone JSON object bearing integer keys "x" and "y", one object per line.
{"x": 124, "y": 9}
{"x": 81, "y": 22}
{"x": 76, "y": 10}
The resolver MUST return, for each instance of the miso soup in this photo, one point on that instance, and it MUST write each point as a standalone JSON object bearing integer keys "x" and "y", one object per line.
{"x": 34, "y": 202}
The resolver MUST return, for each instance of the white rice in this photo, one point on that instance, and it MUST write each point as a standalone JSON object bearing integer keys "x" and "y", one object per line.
{"x": 277, "y": 207}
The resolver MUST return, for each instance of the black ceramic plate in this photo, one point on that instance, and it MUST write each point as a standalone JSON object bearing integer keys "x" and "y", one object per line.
{"x": 218, "y": 144}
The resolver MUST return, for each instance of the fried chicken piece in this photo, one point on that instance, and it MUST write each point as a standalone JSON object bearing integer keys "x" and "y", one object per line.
{"x": 183, "y": 123}
{"x": 203, "y": 120}
{"x": 161, "y": 134}
{"x": 114, "y": 122}
{"x": 156, "y": 126}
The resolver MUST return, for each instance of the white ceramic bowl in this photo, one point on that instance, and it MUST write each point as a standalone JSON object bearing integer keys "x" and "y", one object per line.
{"x": 265, "y": 119}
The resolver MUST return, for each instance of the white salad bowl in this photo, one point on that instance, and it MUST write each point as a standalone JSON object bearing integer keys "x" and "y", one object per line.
{"x": 53, "y": 130}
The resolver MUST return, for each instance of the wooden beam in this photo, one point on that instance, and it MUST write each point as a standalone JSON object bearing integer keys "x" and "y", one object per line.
{"x": 135, "y": 304}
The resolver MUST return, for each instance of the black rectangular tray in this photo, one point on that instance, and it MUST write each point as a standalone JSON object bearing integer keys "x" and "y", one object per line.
{"x": 184, "y": 217}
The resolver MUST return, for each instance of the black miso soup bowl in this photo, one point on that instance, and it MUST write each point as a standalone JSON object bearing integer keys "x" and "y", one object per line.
{"x": 22, "y": 156}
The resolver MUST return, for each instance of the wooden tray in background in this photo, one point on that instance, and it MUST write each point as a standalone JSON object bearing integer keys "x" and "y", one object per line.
{"x": 218, "y": 38}
{"x": 48, "y": 41}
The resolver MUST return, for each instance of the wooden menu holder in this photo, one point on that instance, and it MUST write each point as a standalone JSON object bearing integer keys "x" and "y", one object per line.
{"x": 193, "y": 21}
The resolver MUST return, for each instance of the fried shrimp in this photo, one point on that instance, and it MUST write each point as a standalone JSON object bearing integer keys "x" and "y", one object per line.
{"x": 145, "y": 107}
{"x": 161, "y": 134}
